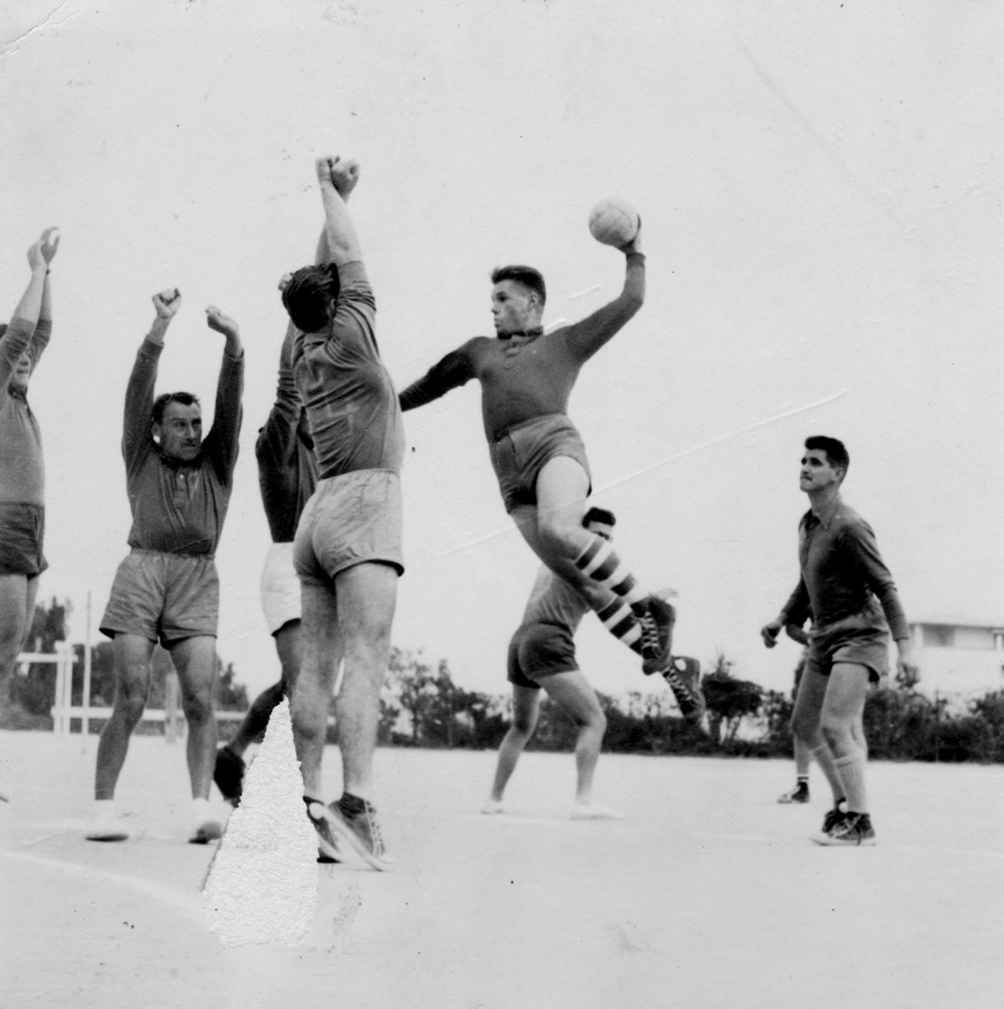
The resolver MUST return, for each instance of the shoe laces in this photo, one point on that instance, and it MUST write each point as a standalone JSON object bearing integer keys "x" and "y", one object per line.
{"x": 375, "y": 830}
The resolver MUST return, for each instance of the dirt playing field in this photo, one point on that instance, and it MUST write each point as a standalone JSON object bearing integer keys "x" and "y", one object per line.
{"x": 708, "y": 894}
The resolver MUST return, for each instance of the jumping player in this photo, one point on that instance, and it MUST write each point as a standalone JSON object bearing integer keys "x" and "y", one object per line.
{"x": 347, "y": 550}
{"x": 22, "y": 472}
{"x": 287, "y": 476}
{"x": 847, "y": 588}
{"x": 526, "y": 377}
{"x": 167, "y": 588}
{"x": 542, "y": 655}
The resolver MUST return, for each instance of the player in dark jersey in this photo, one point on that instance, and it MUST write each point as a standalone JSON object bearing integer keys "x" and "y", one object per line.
{"x": 526, "y": 377}
{"x": 348, "y": 551}
{"x": 854, "y": 603}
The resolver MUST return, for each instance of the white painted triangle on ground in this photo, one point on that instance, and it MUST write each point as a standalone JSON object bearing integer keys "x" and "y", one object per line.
{"x": 262, "y": 884}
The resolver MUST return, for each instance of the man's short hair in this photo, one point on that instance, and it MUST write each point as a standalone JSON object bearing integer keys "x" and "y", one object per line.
{"x": 525, "y": 275}
{"x": 308, "y": 296}
{"x": 160, "y": 404}
{"x": 601, "y": 515}
{"x": 3, "y": 329}
{"x": 835, "y": 450}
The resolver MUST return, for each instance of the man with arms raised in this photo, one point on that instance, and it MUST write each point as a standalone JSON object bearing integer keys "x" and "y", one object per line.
{"x": 22, "y": 473}
{"x": 526, "y": 377}
{"x": 847, "y": 589}
{"x": 167, "y": 589}
{"x": 347, "y": 550}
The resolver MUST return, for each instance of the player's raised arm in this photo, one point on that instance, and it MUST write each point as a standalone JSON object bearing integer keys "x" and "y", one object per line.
{"x": 16, "y": 338}
{"x": 333, "y": 176}
{"x": 344, "y": 177}
{"x": 43, "y": 331}
{"x": 586, "y": 337}
{"x": 139, "y": 391}
{"x": 222, "y": 441}
{"x": 451, "y": 372}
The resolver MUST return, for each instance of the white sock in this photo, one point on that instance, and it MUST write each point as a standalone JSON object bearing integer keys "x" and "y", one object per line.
{"x": 105, "y": 809}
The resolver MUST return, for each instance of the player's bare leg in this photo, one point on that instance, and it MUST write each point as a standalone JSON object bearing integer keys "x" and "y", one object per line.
{"x": 17, "y": 608}
{"x": 572, "y": 692}
{"x": 367, "y": 599}
{"x": 311, "y": 683}
{"x": 131, "y": 655}
{"x": 195, "y": 660}
{"x": 840, "y": 719}
{"x": 525, "y": 713}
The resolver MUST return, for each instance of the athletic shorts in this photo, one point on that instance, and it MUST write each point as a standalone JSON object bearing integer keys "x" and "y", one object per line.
{"x": 519, "y": 454}
{"x": 865, "y": 648}
{"x": 350, "y": 519}
{"x": 163, "y": 597}
{"x": 22, "y": 530}
{"x": 540, "y": 650}
{"x": 280, "y": 588}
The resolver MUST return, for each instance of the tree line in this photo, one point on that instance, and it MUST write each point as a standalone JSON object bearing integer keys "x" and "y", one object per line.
{"x": 422, "y": 706}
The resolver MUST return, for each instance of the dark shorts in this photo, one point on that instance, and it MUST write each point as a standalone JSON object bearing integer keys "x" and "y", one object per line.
{"x": 520, "y": 454}
{"x": 864, "y": 648}
{"x": 163, "y": 597}
{"x": 22, "y": 530}
{"x": 537, "y": 651}
{"x": 350, "y": 519}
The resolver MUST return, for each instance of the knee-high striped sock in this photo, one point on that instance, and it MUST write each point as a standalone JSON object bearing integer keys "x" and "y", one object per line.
{"x": 622, "y": 622}
{"x": 601, "y": 565}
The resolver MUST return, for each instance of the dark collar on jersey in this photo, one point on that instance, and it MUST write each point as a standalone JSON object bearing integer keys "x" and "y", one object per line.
{"x": 17, "y": 392}
{"x": 530, "y": 333}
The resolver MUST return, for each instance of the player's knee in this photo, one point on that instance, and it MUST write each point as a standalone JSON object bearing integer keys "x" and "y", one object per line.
{"x": 597, "y": 721}
{"x": 836, "y": 731}
{"x": 804, "y": 729}
{"x": 197, "y": 706}
{"x": 560, "y": 534}
{"x": 523, "y": 723}
{"x": 130, "y": 701}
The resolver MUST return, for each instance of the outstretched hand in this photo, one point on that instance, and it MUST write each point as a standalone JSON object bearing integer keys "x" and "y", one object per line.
{"x": 167, "y": 303}
{"x": 49, "y": 244}
{"x": 215, "y": 319}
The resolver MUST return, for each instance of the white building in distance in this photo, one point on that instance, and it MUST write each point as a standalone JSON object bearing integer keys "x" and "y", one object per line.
{"x": 959, "y": 659}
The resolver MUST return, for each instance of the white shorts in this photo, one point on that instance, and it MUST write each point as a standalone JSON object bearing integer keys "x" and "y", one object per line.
{"x": 280, "y": 587}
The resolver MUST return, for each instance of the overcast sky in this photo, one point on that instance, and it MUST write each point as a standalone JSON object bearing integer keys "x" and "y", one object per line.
{"x": 821, "y": 191}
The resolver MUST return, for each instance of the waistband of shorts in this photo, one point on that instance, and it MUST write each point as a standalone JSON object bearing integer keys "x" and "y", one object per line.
{"x": 328, "y": 481}
{"x": 513, "y": 428}
{"x": 171, "y": 553}
{"x": 29, "y": 506}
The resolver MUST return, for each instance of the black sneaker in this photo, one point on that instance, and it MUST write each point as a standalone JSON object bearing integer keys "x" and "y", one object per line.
{"x": 800, "y": 793}
{"x": 833, "y": 819}
{"x": 683, "y": 676}
{"x": 657, "y": 635}
{"x": 854, "y": 830}
{"x": 229, "y": 775}
{"x": 358, "y": 831}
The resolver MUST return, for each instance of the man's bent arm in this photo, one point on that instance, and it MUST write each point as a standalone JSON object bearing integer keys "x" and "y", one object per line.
{"x": 43, "y": 331}
{"x": 451, "y": 372}
{"x": 797, "y": 604}
{"x": 863, "y": 545}
{"x": 586, "y": 337}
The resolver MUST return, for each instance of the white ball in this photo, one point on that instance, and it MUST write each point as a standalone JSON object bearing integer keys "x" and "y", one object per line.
{"x": 613, "y": 222}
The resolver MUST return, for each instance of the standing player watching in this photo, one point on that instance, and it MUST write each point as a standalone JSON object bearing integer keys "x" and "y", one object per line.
{"x": 847, "y": 587}
{"x": 22, "y": 472}
{"x": 347, "y": 550}
{"x": 167, "y": 588}
{"x": 542, "y": 654}
{"x": 526, "y": 377}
